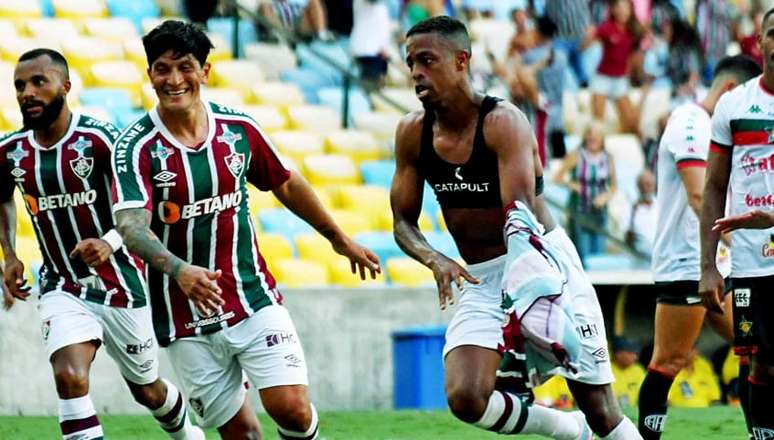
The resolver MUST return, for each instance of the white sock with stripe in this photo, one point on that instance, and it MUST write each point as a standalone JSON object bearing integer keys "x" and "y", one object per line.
{"x": 507, "y": 414}
{"x": 78, "y": 420}
{"x": 626, "y": 430}
{"x": 172, "y": 415}
{"x": 310, "y": 434}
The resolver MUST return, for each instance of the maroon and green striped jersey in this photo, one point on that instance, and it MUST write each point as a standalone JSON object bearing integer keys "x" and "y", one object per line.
{"x": 198, "y": 201}
{"x": 66, "y": 189}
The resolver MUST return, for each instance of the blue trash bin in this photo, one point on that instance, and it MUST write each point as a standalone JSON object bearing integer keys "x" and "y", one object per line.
{"x": 418, "y": 368}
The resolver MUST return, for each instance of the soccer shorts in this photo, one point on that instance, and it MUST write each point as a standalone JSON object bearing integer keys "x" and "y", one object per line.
{"x": 479, "y": 317}
{"x": 753, "y": 303}
{"x": 126, "y": 333}
{"x": 210, "y": 367}
{"x": 679, "y": 293}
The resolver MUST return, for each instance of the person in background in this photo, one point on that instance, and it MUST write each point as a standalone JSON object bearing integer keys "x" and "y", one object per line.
{"x": 589, "y": 172}
{"x": 628, "y": 372}
{"x": 714, "y": 24}
{"x": 306, "y": 18}
{"x": 749, "y": 43}
{"x": 572, "y": 19}
{"x": 642, "y": 225}
{"x": 370, "y": 41}
{"x": 696, "y": 386}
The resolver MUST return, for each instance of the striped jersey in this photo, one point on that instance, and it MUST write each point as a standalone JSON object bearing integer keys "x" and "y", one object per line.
{"x": 592, "y": 172}
{"x": 198, "y": 201}
{"x": 685, "y": 143}
{"x": 743, "y": 126}
{"x": 66, "y": 189}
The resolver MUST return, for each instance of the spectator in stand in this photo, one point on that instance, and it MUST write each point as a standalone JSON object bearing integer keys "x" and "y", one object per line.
{"x": 589, "y": 172}
{"x": 696, "y": 386}
{"x": 642, "y": 223}
{"x": 370, "y": 41}
{"x": 620, "y": 36}
{"x": 524, "y": 37}
{"x": 714, "y": 25}
{"x": 305, "y": 18}
{"x": 199, "y": 11}
{"x": 628, "y": 372}
{"x": 573, "y": 19}
{"x": 749, "y": 43}
{"x": 686, "y": 60}
{"x": 414, "y": 11}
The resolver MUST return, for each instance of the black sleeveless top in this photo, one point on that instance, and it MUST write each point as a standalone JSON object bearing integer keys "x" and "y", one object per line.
{"x": 472, "y": 185}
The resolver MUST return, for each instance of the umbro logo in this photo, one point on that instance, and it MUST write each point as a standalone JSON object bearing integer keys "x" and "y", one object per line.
{"x": 754, "y": 109}
{"x": 164, "y": 178}
{"x": 600, "y": 354}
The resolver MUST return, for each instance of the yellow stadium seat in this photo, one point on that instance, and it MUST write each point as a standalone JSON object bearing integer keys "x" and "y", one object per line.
{"x": 221, "y": 50}
{"x": 227, "y": 97}
{"x": 19, "y": 9}
{"x": 352, "y": 223}
{"x": 368, "y": 200}
{"x": 12, "y": 48}
{"x": 315, "y": 247}
{"x": 80, "y": 8}
{"x": 28, "y": 252}
{"x": 7, "y": 91}
{"x": 406, "y": 97}
{"x": 259, "y": 200}
{"x": 50, "y": 27}
{"x": 11, "y": 118}
{"x": 274, "y": 247}
{"x": 273, "y": 58}
{"x": 267, "y": 116}
{"x": 237, "y": 74}
{"x": 359, "y": 145}
{"x": 134, "y": 51}
{"x": 300, "y": 273}
{"x": 275, "y": 93}
{"x": 408, "y": 272}
{"x": 8, "y": 29}
{"x": 330, "y": 169}
{"x": 441, "y": 221}
{"x": 380, "y": 125}
{"x": 297, "y": 145}
{"x": 117, "y": 29}
{"x": 384, "y": 221}
{"x": 340, "y": 273}
{"x": 84, "y": 52}
{"x": 313, "y": 118}
{"x": 119, "y": 74}
{"x": 24, "y": 227}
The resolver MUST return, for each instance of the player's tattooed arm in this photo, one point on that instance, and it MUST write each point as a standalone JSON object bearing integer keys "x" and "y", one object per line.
{"x": 8, "y": 227}
{"x": 134, "y": 227}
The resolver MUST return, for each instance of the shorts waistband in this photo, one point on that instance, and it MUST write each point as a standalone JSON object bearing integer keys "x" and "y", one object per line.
{"x": 488, "y": 266}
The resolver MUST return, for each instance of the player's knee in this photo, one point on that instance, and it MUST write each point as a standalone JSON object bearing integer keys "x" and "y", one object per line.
{"x": 71, "y": 381}
{"x": 466, "y": 404}
{"x": 152, "y": 395}
{"x": 292, "y": 413}
{"x": 670, "y": 364}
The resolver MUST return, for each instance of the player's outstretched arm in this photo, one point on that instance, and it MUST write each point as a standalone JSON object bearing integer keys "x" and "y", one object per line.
{"x": 749, "y": 220}
{"x": 406, "y": 203}
{"x": 713, "y": 206}
{"x": 14, "y": 284}
{"x": 198, "y": 283}
{"x": 298, "y": 196}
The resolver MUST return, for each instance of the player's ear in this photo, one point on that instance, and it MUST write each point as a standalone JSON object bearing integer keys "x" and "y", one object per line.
{"x": 206, "y": 72}
{"x": 67, "y": 85}
{"x": 462, "y": 60}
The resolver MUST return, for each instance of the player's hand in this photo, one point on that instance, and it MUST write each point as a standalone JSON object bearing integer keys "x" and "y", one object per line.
{"x": 15, "y": 286}
{"x": 748, "y": 220}
{"x": 711, "y": 287}
{"x": 447, "y": 271}
{"x": 93, "y": 251}
{"x": 360, "y": 258}
{"x": 201, "y": 286}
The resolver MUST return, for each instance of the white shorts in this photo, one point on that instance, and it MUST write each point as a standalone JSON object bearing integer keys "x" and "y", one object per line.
{"x": 479, "y": 317}
{"x": 126, "y": 333}
{"x": 613, "y": 87}
{"x": 210, "y": 367}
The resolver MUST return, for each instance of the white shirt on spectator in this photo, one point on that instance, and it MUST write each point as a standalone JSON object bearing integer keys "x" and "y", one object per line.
{"x": 371, "y": 28}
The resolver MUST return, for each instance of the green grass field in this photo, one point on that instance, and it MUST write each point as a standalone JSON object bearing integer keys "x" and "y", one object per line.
{"x": 705, "y": 424}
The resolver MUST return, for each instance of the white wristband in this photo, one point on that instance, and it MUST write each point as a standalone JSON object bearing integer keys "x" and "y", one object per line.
{"x": 113, "y": 238}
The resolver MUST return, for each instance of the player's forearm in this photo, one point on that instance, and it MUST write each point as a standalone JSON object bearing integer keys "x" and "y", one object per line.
{"x": 712, "y": 208}
{"x": 299, "y": 197}
{"x": 8, "y": 228}
{"x": 413, "y": 243}
{"x": 134, "y": 227}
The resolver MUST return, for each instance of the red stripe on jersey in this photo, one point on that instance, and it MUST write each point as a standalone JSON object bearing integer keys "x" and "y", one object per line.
{"x": 720, "y": 148}
{"x": 744, "y": 138}
{"x": 688, "y": 163}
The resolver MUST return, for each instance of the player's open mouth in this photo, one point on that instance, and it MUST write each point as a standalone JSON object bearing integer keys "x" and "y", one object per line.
{"x": 176, "y": 92}
{"x": 421, "y": 91}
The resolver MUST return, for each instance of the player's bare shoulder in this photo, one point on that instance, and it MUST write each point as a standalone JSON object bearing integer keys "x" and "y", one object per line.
{"x": 408, "y": 135}
{"x": 504, "y": 124}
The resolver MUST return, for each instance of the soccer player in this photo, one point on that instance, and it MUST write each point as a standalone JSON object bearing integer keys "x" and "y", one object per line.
{"x": 181, "y": 204}
{"x": 679, "y": 318}
{"x": 480, "y": 156}
{"x": 741, "y": 163}
{"x": 91, "y": 289}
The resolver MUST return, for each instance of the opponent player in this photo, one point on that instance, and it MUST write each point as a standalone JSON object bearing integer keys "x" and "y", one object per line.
{"x": 741, "y": 162}
{"x": 679, "y": 314}
{"x": 91, "y": 289}
{"x": 479, "y": 155}
{"x": 181, "y": 182}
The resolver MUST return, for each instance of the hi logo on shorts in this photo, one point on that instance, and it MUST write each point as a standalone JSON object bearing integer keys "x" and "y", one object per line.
{"x": 656, "y": 422}
{"x": 742, "y": 297}
{"x": 763, "y": 433}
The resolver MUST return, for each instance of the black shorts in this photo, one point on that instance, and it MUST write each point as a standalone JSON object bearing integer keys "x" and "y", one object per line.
{"x": 679, "y": 293}
{"x": 753, "y": 301}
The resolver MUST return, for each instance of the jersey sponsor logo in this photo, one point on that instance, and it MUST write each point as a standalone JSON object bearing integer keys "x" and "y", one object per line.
{"x": 763, "y": 433}
{"x": 656, "y": 422}
{"x": 280, "y": 338}
{"x": 461, "y": 187}
{"x": 587, "y": 331}
{"x": 81, "y": 165}
{"x": 139, "y": 348}
{"x": 751, "y": 165}
{"x": 212, "y": 320}
{"x": 745, "y": 326}
{"x": 16, "y": 156}
{"x": 768, "y": 249}
{"x": 171, "y": 212}
{"x": 123, "y": 146}
{"x": 766, "y": 200}
{"x": 58, "y": 201}
{"x": 742, "y": 297}
{"x": 164, "y": 178}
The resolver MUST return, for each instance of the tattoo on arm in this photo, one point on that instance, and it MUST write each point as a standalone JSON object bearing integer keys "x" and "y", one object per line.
{"x": 8, "y": 227}
{"x": 134, "y": 227}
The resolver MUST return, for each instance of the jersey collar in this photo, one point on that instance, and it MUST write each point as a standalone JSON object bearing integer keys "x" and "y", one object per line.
{"x": 154, "y": 115}
{"x": 74, "y": 118}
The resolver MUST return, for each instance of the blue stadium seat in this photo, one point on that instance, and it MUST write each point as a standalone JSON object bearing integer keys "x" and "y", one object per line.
{"x": 332, "y": 97}
{"x": 382, "y": 243}
{"x": 110, "y": 99}
{"x": 281, "y": 221}
{"x": 443, "y": 243}
{"x": 46, "y": 8}
{"x": 134, "y": 10}
{"x": 225, "y": 28}
{"x": 336, "y": 51}
{"x": 125, "y": 116}
{"x": 309, "y": 81}
{"x": 378, "y": 172}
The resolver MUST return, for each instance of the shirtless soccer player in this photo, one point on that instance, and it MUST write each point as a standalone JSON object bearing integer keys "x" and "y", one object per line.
{"x": 92, "y": 290}
{"x": 740, "y": 164}
{"x": 682, "y": 162}
{"x": 480, "y": 156}
{"x": 182, "y": 172}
